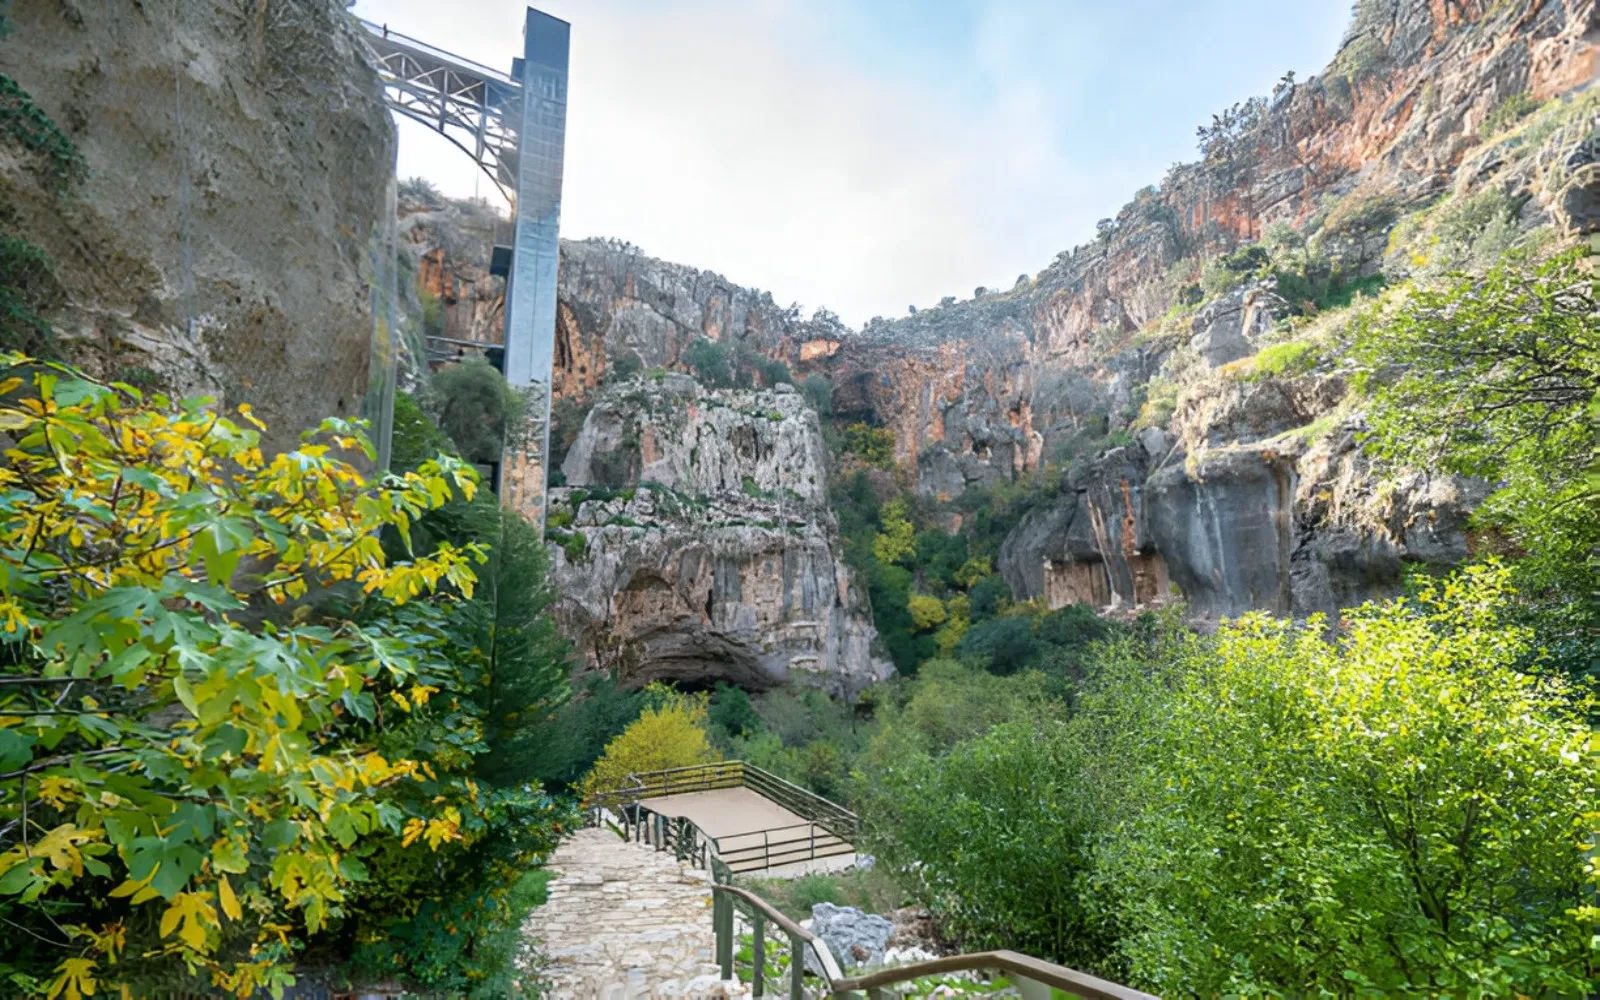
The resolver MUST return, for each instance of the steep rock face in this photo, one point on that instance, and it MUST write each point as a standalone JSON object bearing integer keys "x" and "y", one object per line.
{"x": 237, "y": 169}
{"x": 672, "y": 432}
{"x": 722, "y": 565}
{"x": 1254, "y": 493}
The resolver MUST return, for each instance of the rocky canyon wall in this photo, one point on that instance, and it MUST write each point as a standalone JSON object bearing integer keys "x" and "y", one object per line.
{"x": 238, "y": 159}
{"x": 1172, "y": 464}
{"x": 694, "y": 542}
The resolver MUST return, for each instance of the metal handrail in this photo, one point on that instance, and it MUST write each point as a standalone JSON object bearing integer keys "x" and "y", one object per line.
{"x": 1015, "y": 964}
{"x": 724, "y": 899}
{"x": 489, "y": 72}
{"x": 1025, "y": 970}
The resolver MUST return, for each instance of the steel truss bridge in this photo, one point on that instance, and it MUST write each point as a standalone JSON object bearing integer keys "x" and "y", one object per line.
{"x": 477, "y": 108}
{"x": 513, "y": 126}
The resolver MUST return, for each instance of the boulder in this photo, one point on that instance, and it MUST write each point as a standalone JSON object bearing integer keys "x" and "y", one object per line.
{"x": 857, "y": 939}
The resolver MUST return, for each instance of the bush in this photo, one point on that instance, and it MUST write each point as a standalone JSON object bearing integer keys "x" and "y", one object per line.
{"x": 1293, "y": 358}
{"x": 773, "y": 372}
{"x": 818, "y": 391}
{"x": 927, "y": 612}
{"x": 1396, "y": 811}
{"x": 670, "y": 735}
{"x": 1506, "y": 114}
{"x": 709, "y": 362}
{"x": 1002, "y": 645}
{"x": 731, "y": 714}
{"x": 1160, "y": 403}
{"x": 996, "y": 839}
{"x": 480, "y": 411}
{"x": 873, "y": 445}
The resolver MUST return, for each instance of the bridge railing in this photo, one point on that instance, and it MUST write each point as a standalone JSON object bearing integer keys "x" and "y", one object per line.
{"x": 1033, "y": 978}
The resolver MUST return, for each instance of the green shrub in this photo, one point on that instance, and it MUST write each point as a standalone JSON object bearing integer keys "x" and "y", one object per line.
{"x": 873, "y": 445}
{"x": 1160, "y": 403}
{"x": 1506, "y": 114}
{"x": 773, "y": 372}
{"x": 433, "y": 323}
{"x": 995, "y": 838}
{"x": 1293, "y": 358}
{"x": 576, "y": 547}
{"x": 709, "y": 362}
{"x": 818, "y": 391}
{"x": 624, "y": 367}
{"x": 481, "y": 412}
{"x": 1276, "y": 813}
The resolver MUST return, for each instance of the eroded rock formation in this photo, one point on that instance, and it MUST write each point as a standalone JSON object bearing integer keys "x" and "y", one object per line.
{"x": 694, "y": 543}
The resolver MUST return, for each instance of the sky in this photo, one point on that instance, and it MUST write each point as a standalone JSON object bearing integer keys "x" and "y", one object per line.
{"x": 869, "y": 155}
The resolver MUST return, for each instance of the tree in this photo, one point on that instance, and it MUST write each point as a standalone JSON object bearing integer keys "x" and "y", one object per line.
{"x": 897, "y": 541}
{"x": 1400, "y": 812}
{"x": 873, "y": 445}
{"x": 1499, "y": 378}
{"x": 671, "y": 734}
{"x": 166, "y": 765}
{"x": 709, "y": 361}
{"x": 477, "y": 408}
{"x": 927, "y": 611}
{"x": 996, "y": 839}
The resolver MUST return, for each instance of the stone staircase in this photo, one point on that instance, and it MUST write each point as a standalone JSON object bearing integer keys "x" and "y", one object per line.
{"x": 624, "y": 922}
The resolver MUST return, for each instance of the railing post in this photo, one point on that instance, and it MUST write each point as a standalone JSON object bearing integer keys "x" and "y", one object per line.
{"x": 797, "y": 968}
{"x": 724, "y": 919}
{"x": 1028, "y": 989}
{"x": 758, "y": 957}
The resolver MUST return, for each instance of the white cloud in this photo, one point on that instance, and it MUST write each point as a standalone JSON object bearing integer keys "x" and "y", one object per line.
{"x": 732, "y": 135}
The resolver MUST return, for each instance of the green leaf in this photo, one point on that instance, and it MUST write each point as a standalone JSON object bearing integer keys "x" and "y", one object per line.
{"x": 16, "y": 749}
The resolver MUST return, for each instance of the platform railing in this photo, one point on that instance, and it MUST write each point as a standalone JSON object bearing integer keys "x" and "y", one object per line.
{"x": 1033, "y": 978}
{"x": 831, "y": 816}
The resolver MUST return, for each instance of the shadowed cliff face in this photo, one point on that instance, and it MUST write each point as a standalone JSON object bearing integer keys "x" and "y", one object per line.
{"x": 236, "y": 173}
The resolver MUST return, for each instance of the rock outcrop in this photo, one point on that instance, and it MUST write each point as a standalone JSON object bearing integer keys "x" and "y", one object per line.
{"x": 238, "y": 168}
{"x": 694, "y": 543}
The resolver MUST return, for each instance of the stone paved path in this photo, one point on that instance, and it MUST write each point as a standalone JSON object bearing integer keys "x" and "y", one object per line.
{"x": 624, "y": 922}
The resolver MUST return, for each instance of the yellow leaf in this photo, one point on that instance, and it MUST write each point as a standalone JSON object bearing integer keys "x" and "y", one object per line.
{"x": 230, "y": 902}
{"x": 190, "y": 914}
{"x": 75, "y": 979}
{"x": 413, "y": 830}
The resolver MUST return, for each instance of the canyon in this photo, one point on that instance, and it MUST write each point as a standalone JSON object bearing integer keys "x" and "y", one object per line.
{"x": 1171, "y": 461}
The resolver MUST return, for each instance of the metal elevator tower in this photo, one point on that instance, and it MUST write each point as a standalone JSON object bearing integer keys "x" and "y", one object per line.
{"x": 514, "y": 127}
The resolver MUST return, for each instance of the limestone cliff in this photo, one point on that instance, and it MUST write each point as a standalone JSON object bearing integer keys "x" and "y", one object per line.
{"x": 695, "y": 544}
{"x": 239, "y": 159}
{"x": 1181, "y": 465}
